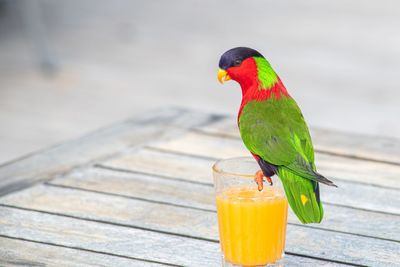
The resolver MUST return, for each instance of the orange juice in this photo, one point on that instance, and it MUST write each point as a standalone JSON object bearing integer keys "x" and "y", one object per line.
{"x": 252, "y": 225}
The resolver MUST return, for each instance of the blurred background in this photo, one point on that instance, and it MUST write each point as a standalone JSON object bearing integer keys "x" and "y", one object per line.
{"x": 70, "y": 67}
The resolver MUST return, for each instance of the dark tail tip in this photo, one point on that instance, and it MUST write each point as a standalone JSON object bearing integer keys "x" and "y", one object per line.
{"x": 330, "y": 183}
{"x": 324, "y": 180}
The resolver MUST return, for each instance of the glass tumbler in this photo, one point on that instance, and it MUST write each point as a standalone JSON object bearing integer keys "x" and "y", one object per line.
{"x": 252, "y": 223}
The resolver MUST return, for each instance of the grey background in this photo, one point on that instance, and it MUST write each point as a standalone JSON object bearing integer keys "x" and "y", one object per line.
{"x": 116, "y": 59}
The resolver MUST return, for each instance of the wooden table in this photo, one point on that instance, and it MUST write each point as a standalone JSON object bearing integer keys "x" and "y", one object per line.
{"x": 140, "y": 193}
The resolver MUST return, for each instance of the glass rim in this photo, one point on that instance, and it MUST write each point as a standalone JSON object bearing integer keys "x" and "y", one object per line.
{"x": 217, "y": 169}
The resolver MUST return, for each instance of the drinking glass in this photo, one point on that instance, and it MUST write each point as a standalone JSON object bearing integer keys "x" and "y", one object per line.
{"x": 252, "y": 223}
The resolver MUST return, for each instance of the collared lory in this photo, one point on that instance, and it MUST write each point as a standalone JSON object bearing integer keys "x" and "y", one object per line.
{"x": 273, "y": 129}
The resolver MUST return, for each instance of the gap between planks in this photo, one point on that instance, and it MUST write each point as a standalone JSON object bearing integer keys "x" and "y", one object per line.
{"x": 116, "y": 169}
{"x": 40, "y": 251}
{"x": 132, "y": 226}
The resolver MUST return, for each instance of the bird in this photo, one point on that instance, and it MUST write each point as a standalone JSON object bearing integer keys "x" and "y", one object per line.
{"x": 274, "y": 130}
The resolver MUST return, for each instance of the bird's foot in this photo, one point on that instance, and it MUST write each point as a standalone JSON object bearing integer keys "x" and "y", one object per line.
{"x": 259, "y": 179}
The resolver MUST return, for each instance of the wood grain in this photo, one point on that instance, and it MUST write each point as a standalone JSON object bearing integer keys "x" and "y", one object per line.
{"x": 357, "y": 195}
{"x": 123, "y": 241}
{"x": 21, "y": 253}
{"x": 192, "y": 195}
{"x": 377, "y": 148}
{"x": 133, "y": 212}
{"x": 141, "y": 186}
{"x": 108, "y": 238}
{"x": 348, "y": 169}
{"x": 61, "y": 158}
{"x": 165, "y": 164}
{"x": 194, "y": 223}
{"x": 176, "y": 220}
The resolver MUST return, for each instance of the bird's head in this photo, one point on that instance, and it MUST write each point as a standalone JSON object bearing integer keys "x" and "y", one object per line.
{"x": 239, "y": 64}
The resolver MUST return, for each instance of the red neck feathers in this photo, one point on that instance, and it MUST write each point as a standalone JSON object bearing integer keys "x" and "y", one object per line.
{"x": 247, "y": 76}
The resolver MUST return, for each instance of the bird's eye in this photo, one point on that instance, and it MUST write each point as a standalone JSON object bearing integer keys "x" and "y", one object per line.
{"x": 237, "y": 62}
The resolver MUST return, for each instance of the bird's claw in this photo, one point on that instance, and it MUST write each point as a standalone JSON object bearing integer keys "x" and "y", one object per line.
{"x": 259, "y": 179}
{"x": 269, "y": 180}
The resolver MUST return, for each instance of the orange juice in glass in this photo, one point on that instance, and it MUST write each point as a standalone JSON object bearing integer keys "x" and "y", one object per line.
{"x": 252, "y": 223}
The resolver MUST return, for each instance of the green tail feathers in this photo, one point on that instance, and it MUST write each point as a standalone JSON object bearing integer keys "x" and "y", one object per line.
{"x": 302, "y": 195}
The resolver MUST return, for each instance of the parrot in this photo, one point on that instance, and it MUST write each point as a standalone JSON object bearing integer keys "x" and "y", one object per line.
{"x": 274, "y": 131}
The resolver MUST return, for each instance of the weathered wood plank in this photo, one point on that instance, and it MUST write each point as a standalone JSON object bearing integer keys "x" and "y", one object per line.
{"x": 166, "y": 164}
{"x": 377, "y": 148}
{"x": 43, "y": 165}
{"x": 107, "y": 238}
{"x": 349, "y": 169}
{"x": 140, "y": 186}
{"x": 199, "y": 196}
{"x": 355, "y": 195}
{"x": 325, "y": 244}
{"x": 115, "y": 209}
{"x": 22, "y": 253}
{"x": 118, "y": 240}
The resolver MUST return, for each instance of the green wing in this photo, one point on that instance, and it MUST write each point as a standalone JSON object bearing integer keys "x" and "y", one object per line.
{"x": 276, "y": 131}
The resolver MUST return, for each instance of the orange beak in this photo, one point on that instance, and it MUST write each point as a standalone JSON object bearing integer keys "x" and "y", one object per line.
{"x": 223, "y": 76}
